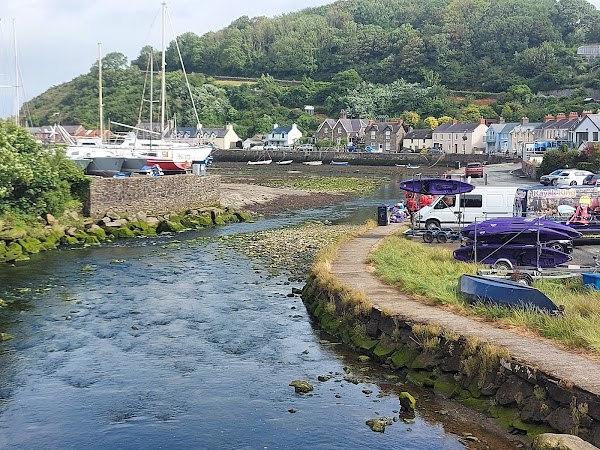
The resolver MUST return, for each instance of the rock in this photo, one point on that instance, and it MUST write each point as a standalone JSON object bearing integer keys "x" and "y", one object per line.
{"x": 324, "y": 377}
{"x": 550, "y": 441}
{"x": 301, "y": 386}
{"x": 50, "y": 219}
{"x": 364, "y": 358}
{"x": 407, "y": 402}
{"x": 378, "y": 425}
{"x": 292, "y": 410}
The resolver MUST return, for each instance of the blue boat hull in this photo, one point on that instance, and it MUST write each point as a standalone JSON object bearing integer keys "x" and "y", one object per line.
{"x": 516, "y": 224}
{"x": 436, "y": 186}
{"x": 505, "y": 292}
{"x": 517, "y": 254}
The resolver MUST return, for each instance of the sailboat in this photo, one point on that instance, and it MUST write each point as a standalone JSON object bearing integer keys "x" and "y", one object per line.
{"x": 171, "y": 157}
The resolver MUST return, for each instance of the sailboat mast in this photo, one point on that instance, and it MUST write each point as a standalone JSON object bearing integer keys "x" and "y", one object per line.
{"x": 100, "y": 102}
{"x": 151, "y": 92}
{"x": 164, "y": 70}
{"x": 17, "y": 118}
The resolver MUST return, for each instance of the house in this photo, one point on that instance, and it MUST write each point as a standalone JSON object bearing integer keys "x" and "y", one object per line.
{"x": 384, "y": 136}
{"x": 557, "y": 128}
{"x": 497, "y": 137}
{"x": 417, "y": 140}
{"x": 465, "y": 138}
{"x": 219, "y": 137}
{"x": 283, "y": 136}
{"x": 342, "y": 131}
{"x": 522, "y": 135}
{"x": 588, "y": 130}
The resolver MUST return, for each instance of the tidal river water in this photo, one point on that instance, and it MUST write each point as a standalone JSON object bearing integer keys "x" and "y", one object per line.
{"x": 176, "y": 342}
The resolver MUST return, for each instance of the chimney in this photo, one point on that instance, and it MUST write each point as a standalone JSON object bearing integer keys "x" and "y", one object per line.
{"x": 371, "y": 121}
{"x": 501, "y": 120}
{"x": 548, "y": 118}
{"x": 481, "y": 121}
{"x": 585, "y": 113}
{"x": 454, "y": 121}
{"x": 560, "y": 116}
{"x": 275, "y": 125}
{"x": 524, "y": 120}
{"x": 573, "y": 115}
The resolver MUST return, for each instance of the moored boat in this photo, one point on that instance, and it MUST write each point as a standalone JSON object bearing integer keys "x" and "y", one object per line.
{"x": 260, "y": 162}
{"x": 285, "y": 162}
{"x": 338, "y": 163}
{"x": 313, "y": 163}
{"x": 505, "y": 292}
{"x": 105, "y": 166}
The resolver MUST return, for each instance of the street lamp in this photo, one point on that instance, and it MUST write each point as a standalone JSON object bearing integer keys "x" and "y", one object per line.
{"x": 464, "y": 139}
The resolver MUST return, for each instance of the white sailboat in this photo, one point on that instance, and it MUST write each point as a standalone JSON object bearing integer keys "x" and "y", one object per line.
{"x": 170, "y": 156}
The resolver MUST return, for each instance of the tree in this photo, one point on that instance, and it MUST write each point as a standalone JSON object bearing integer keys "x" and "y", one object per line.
{"x": 431, "y": 122}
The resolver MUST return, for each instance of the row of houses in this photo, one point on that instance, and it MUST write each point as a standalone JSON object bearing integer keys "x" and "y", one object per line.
{"x": 521, "y": 138}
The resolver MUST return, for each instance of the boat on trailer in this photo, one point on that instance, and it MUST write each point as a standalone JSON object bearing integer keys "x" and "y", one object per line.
{"x": 529, "y": 255}
{"x": 505, "y": 292}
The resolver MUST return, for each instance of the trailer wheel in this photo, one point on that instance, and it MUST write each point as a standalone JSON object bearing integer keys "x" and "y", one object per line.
{"x": 442, "y": 237}
{"x": 558, "y": 246}
{"x": 523, "y": 278}
{"x": 502, "y": 266}
{"x": 428, "y": 237}
{"x": 433, "y": 224}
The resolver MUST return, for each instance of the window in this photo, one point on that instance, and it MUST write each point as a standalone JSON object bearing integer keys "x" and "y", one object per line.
{"x": 471, "y": 201}
{"x": 595, "y": 134}
{"x": 373, "y": 134}
{"x": 387, "y": 146}
{"x": 339, "y": 131}
{"x": 447, "y": 201}
{"x": 387, "y": 133}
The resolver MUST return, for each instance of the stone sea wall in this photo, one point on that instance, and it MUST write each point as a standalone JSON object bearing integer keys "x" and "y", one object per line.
{"x": 151, "y": 195}
{"x": 475, "y": 373}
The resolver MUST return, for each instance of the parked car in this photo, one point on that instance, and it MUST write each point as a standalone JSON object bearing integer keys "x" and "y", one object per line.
{"x": 271, "y": 147}
{"x": 550, "y": 179}
{"x": 592, "y": 180}
{"x": 308, "y": 147}
{"x": 572, "y": 177}
{"x": 474, "y": 169}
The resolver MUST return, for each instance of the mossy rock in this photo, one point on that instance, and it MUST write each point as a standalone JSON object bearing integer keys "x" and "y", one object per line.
{"x": 382, "y": 350}
{"x": 13, "y": 252}
{"x": 12, "y": 234}
{"x": 69, "y": 240}
{"x": 219, "y": 220}
{"x": 243, "y": 217}
{"x": 175, "y": 219}
{"x": 421, "y": 379}
{"x": 204, "y": 221}
{"x": 510, "y": 419}
{"x": 319, "y": 310}
{"x": 364, "y": 343}
{"x": 476, "y": 404}
{"x": 87, "y": 239}
{"x": 30, "y": 245}
{"x": 52, "y": 240}
{"x": 168, "y": 226}
{"x": 121, "y": 232}
{"x": 141, "y": 228}
{"x": 98, "y": 232}
{"x": 331, "y": 324}
{"x": 5, "y": 337}
{"x": 403, "y": 357}
{"x": 446, "y": 386}
{"x": 407, "y": 401}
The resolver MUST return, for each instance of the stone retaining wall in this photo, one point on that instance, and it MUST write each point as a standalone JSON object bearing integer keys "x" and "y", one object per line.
{"x": 152, "y": 195}
{"x": 477, "y": 374}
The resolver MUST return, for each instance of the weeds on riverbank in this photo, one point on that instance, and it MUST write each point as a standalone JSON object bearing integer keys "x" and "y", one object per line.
{"x": 328, "y": 184}
{"x": 431, "y": 273}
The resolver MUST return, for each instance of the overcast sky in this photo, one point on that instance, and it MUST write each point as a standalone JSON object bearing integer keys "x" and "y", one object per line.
{"x": 57, "y": 40}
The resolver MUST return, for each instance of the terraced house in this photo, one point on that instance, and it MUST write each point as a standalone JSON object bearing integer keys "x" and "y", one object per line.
{"x": 342, "y": 131}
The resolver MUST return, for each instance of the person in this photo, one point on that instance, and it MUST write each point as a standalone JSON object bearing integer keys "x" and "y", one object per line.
{"x": 412, "y": 207}
{"x": 398, "y": 213}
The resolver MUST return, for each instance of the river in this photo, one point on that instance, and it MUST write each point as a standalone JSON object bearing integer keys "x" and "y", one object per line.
{"x": 180, "y": 342}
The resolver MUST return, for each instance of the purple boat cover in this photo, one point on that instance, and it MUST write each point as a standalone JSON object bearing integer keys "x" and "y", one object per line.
{"x": 436, "y": 186}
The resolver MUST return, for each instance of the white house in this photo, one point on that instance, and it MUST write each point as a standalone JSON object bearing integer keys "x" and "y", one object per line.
{"x": 418, "y": 140}
{"x": 283, "y": 136}
{"x": 460, "y": 138}
{"x": 588, "y": 130}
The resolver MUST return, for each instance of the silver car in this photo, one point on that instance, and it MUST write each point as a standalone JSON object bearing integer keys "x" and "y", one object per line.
{"x": 551, "y": 178}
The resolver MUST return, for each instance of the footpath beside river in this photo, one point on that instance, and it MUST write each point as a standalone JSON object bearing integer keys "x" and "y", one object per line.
{"x": 533, "y": 360}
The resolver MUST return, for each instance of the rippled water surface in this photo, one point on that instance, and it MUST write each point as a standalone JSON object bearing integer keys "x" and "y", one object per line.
{"x": 169, "y": 343}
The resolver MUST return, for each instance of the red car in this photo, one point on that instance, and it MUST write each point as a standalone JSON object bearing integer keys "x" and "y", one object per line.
{"x": 474, "y": 169}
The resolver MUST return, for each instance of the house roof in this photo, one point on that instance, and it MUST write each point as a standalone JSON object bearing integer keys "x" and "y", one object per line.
{"x": 421, "y": 133}
{"x": 496, "y": 127}
{"x": 217, "y": 131}
{"x": 381, "y": 126}
{"x": 559, "y": 124}
{"x": 281, "y": 130}
{"x": 456, "y": 127}
{"x": 353, "y": 125}
{"x": 508, "y": 127}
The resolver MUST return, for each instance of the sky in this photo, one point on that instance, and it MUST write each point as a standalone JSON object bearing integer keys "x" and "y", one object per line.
{"x": 57, "y": 40}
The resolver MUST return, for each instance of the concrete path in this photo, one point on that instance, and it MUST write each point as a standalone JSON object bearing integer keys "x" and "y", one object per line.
{"x": 351, "y": 269}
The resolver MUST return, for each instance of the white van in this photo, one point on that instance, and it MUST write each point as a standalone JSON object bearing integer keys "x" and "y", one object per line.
{"x": 481, "y": 203}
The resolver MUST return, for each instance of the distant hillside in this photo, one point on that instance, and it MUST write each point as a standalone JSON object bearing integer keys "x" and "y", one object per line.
{"x": 480, "y": 45}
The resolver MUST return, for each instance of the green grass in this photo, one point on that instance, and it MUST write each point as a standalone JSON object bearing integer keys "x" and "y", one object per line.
{"x": 431, "y": 272}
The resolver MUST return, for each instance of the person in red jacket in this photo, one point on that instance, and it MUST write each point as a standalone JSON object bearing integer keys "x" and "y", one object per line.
{"x": 412, "y": 207}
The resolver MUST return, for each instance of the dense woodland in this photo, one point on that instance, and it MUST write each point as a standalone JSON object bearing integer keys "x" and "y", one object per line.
{"x": 371, "y": 58}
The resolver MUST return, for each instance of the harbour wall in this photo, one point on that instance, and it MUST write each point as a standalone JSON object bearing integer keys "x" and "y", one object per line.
{"x": 151, "y": 195}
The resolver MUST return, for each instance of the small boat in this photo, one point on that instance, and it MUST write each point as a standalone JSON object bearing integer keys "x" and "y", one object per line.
{"x": 82, "y": 163}
{"x": 313, "y": 163}
{"x": 260, "y": 162}
{"x": 105, "y": 166}
{"x": 285, "y": 162}
{"x": 436, "y": 186}
{"x": 522, "y": 236}
{"x": 412, "y": 166}
{"x": 518, "y": 254}
{"x": 338, "y": 163}
{"x": 505, "y": 292}
{"x": 169, "y": 164}
{"x": 506, "y": 225}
